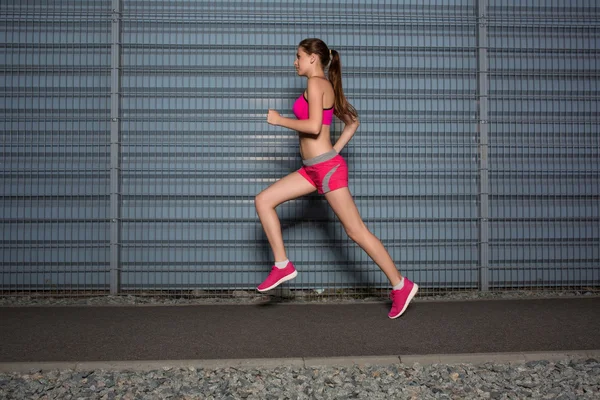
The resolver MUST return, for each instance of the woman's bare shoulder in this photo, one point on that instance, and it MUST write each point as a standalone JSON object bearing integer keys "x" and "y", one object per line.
{"x": 319, "y": 84}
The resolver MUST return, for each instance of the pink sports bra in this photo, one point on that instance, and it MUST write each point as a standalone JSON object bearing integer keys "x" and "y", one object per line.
{"x": 300, "y": 109}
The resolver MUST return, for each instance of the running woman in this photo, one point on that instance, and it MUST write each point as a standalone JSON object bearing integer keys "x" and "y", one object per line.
{"x": 323, "y": 170}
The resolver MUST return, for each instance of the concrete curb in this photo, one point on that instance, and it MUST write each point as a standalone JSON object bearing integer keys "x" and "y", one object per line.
{"x": 481, "y": 358}
{"x": 299, "y": 362}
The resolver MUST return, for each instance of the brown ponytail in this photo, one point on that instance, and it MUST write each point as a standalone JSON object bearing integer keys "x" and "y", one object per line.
{"x": 342, "y": 109}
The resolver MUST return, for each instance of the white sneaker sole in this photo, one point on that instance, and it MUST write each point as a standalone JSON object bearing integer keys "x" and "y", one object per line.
{"x": 412, "y": 294}
{"x": 279, "y": 282}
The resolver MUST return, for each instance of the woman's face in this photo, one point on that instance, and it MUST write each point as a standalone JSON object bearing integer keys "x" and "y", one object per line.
{"x": 302, "y": 63}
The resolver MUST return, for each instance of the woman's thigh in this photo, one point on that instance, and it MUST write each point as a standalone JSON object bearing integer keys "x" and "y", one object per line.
{"x": 287, "y": 188}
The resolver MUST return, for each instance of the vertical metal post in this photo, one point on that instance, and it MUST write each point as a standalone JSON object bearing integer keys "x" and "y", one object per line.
{"x": 115, "y": 148}
{"x": 483, "y": 126}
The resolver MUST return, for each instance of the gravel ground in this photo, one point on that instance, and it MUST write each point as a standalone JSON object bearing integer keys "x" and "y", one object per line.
{"x": 565, "y": 379}
{"x": 284, "y": 295}
{"x": 571, "y": 378}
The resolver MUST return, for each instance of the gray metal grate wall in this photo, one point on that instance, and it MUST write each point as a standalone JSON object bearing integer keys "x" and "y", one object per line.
{"x": 55, "y": 95}
{"x": 544, "y": 144}
{"x": 135, "y": 139}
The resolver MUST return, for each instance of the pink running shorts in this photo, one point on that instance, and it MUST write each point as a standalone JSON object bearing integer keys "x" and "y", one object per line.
{"x": 326, "y": 172}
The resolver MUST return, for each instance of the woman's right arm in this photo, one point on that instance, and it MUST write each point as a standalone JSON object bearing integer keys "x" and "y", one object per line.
{"x": 350, "y": 127}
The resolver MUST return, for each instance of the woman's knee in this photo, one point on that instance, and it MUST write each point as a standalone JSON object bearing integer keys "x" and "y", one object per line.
{"x": 261, "y": 202}
{"x": 358, "y": 233}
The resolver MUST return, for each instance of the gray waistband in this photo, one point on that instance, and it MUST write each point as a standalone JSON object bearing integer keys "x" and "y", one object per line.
{"x": 320, "y": 158}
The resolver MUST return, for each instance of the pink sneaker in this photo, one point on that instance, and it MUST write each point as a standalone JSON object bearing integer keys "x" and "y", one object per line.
{"x": 401, "y": 298}
{"x": 278, "y": 276}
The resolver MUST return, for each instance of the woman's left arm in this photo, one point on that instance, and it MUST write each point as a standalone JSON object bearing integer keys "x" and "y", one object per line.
{"x": 313, "y": 124}
{"x": 350, "y": 126}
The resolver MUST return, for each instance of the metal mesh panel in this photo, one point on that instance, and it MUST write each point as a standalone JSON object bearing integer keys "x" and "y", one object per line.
{"x": 54, "y": 126}
{"x": 544, "y": 144}
{"x": 197, "y": 82}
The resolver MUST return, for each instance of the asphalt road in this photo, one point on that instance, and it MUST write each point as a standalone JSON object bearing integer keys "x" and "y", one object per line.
{"x": 271, "y": 330}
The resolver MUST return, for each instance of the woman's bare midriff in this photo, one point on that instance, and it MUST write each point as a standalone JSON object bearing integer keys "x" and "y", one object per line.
{"x": 315, "y": 145}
